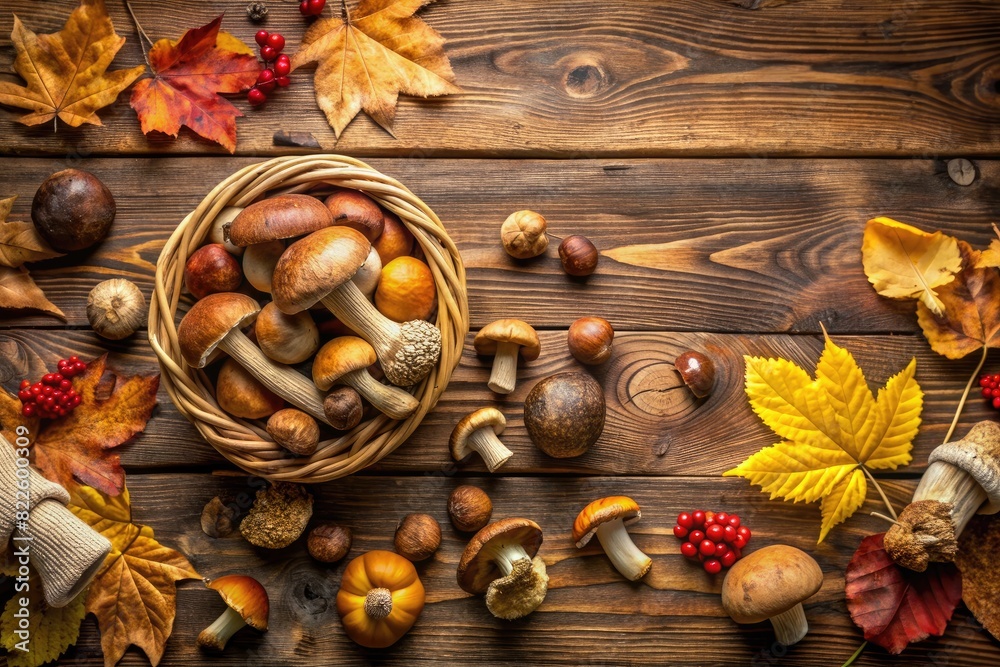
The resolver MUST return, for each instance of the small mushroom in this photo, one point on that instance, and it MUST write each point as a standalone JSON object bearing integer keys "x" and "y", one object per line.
{"x": 523, "y": 235}
{"x": 246, "y": 604}
{"x": 259, "y": 261}
{"x": 343, "y": 408}
{"x": 353, "y": 209}
{"x": 241, "y": 395}
{"x": 477, "y": 432}
{"x": 565, "y": 413}
{"x": 345, "y": 360}
{"x": 281, "y": 217}
{"x": 217, "y": 233}
{"x": 287, "y": 339}
{"x": 469, "y": 508}
{"x": 216, "y": 322}
{"x": 771, "y": 584}
{"x": 329, "y": 542}
{"x": 697, "y": 371}
{"x": 369, "y": 275}
{"x": 395, "y": 241}
{"x": 406, "y": 290}
{"x": 498, "y": 561}
{"x": 504, "y": 340}
{"x": 295, "y": 431}
{"x": 607, "y": 519}
{"x": 218, "y": 518}
{"x": 319, "y": 268}
{"x": 417, "y": 537}
{"x": 278, "y": 516}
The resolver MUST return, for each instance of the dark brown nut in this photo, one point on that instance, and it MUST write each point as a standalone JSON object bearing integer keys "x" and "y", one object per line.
{"x": 697, "y": 371}
{"x": 589, "y": 340}
{"x": 73, "y": 210}
{"x": 578, "y": 255}
{"x": 343, "y": 408}
{"x": 418, "y": 536}
{"x": 294, "y": 430}
{"x": 329, "y": 542}
{"x": 218, "y": 518}
{"x": 210, "y": 270}
{"x": 469, "y": 508}
{"x": 564, "y": 414}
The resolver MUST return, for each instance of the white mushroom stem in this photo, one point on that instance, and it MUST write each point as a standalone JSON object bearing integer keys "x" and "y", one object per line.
{"x": 503, "y": 377}
{"x": 490, "y": 447}
{"x": 505, "y": 555}
{"x": 948, "y": 483}
{"x": 217, "y": 635}
{"x": 282, "y": 380}
{"x": 392, "y": 401}
{"x": 790, "y": 626}
{"x": 625, "y": 556}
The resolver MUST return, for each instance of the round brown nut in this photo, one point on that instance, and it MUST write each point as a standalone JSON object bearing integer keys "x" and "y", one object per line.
{"x": 564, "y": 414}
{"x": 329, "y": 542}
{"x": 579, "y": 256}
{"x": 697, "y": 371}
{"x": 418, "y": 536}
{"x": 469, "y": 508}
{"x": 523, "y": 235}
{"x": 589, "y": 340}
{"x": 73, "y": 210}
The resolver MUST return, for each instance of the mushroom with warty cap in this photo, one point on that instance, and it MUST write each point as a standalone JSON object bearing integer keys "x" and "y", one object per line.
{"x": 500, "y": 561}
{"x": 505, "y": 340}
{"x": 246, "y": 604}
{"x": 345, "y": 360}
{"x": 288, "y": 339}
{"x": 607, "y": 519}
{"x": 771, "y": 584}
{"x": 477, "y": 432}
{"x": 217, "y": 322}
{"x": 964, "y": 476}
{"x": 319, "y": 268}
{"x": 281, "y": 217}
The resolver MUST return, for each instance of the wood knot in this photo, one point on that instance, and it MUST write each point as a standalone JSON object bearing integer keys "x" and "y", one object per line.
{"x": 585, "y": 79}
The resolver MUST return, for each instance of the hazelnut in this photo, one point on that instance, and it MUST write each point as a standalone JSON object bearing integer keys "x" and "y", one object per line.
{"x": 329, "y": 542}
{"x": 294, "y": 430}
{"x": 218, "y": 518}
{"x": 469, "y": 508}
{"x": 418, "y": 536}
{"x": 697, "y": 371}
{"x": 523, "y": 235}
{"x": 578, "y": 255}
{"x": 73, "y": 210}
{"x": 589, "y": 340}
{"x": 343, "y": 408}
{"x": 116, "y": 308}
{"x": 210, "y": 270}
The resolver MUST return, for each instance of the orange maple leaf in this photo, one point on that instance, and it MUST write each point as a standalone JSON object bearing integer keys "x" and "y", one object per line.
{"x": 189, "y": 74}
{"x": 66, "y": 72}
{"x": 371, "y": 55}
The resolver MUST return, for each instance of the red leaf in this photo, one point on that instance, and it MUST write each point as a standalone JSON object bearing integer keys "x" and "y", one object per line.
{"x": 895, "y": 606}
{"x": 188, "y": 75}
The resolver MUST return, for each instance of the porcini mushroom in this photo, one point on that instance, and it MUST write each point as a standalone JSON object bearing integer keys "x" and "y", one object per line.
{"x": 607, "y": 519}
{"x": 771, "y": 584}
{"x": 319, "y": 268}
{"x": 246, "y": 604}
{"x": 504, "y": 340}
{"x": 294, "y": 430}
{"x": 356, "y": 210}
{"x": 368, "y": 276}
{"x": 241, "y": 395}
{"x": 345, "y": 360}
{"x": 259, "y": 261}
{"x": 278, "y": 516}
{"x": 288, "y": 339}
{"x": 216, "y": 322}
{"x": 963, "y": 475}
{"x": 500, "y": 561}
{"x": 477, "y": 432}
{"x": 281, "y": 217}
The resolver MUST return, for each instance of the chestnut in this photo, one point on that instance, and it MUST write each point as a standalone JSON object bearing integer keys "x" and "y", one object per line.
{"x": 73, "y": 210}
{"x": 469, "y": 508}
{"x": 418, "y": 536}
{"x": 329, "y": 542}
{"x": 578, "y": 255}
{"x": 697, "y": 371}
{"x": 589, "y": 340}
{"x": 210, "y": 270}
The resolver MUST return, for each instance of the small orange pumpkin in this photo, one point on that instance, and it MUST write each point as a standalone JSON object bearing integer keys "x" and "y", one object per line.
{"x": 380, "y": 598}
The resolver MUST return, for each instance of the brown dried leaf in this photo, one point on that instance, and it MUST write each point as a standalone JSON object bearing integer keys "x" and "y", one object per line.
{"x": 20, "y": 242}
{"x": 977, "y": 560}
{"x": 19, "y": 292}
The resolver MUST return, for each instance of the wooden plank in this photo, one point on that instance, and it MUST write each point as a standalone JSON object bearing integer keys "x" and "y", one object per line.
{"x": 654, "y": 426}
{"x": 745, "y": 245}
{"x": 591, "y": 616}
{"x": 585, "y": 78}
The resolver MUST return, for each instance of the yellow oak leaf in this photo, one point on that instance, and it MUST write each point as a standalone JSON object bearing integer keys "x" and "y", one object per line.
{"x": 134, "y": 595}
{"x": 66, "y": 71}
{"x": 20, "y": 242}
{"x": 370, "y": 55}
{"x": 51, "y": 630}
{"x": 832, "y": 428}
{"x": 903, "y": 262}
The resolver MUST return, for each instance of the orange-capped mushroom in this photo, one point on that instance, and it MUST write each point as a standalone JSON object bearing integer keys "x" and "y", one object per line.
{"x": 406, "y": 290}
{"x": 246, "y": 604}
{"x": 607, "y": 518}
{"x": 345, "y": 360}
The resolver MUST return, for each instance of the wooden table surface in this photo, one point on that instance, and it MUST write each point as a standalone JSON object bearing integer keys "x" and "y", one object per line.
{"x": 722, "y": 154}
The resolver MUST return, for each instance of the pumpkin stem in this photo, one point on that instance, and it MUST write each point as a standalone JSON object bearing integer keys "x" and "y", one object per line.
{"x": 378, "y": 603}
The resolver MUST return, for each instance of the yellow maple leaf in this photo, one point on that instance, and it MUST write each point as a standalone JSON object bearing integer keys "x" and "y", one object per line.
{"x": 52, "y": 630}
{"x": 903, "y": 262}
{"x": 370, "y": 55}
{"x": 66, "y": 71}
{"x": 990, "y": 258}
{"x": 134, "y": 595}
{"x": 832, "y": 429}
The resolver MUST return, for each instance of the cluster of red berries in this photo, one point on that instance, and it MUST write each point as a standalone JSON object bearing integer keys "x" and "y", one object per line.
{"x": 271, "y": 44}
{"x": 991, "y": 389}
{"x": 53, "y": 396}
{"x": 715, "y": 538}
{"x": 312, "y": 7}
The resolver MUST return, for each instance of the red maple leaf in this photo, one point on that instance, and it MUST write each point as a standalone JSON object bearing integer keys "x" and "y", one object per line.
{"x": 188, "y": 75}
{"x": 895, "y": 606}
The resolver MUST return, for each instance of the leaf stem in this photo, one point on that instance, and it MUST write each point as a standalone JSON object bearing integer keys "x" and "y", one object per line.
{"x": 142, "y": 34}
{"x": 850, "y": 661}
{"x": 878, "y": 488}
{"x": 885, "y": 518}
{"x": 965, "y": 394}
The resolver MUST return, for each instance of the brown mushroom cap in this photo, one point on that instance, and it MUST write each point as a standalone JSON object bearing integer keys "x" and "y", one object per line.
{"x": 508, "y": 331}
{"x": 288, "y": 339}
{"x": 602, "y": 511}
{"x": 357, "y": 210}
{"x": 209, "y": 321}
{"x": 978, "y": 454}
{"x": 476, "y": 570}
{"x": 314, "y": 266}
{"x": 245, "y": 596}
{"x": 339, "y": 357}
{"x": 471, "y": 423}
{"x": 769, "y": 581}
{"x": 281, "y": 217}
{"x": 240, "y": 394}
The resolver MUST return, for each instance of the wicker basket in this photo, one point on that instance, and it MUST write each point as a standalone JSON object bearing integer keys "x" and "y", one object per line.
{"x": 245, "y": 443}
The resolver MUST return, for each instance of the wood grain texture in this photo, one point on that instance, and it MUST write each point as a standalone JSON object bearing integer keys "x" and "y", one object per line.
{"x": 747, "y": 245}
{"x": 591, "y": 615}
{"x": 583, "y": 78}
{"x": 654, "y": 425}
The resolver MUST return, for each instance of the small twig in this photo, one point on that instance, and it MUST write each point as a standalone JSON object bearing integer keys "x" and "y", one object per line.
{"x": 142, "y": 34}
{"x": 878, "y": 488}
{"x": 886, "y": 518}
{"x": 850, "y": 661}
{"x": 965, "y": 394}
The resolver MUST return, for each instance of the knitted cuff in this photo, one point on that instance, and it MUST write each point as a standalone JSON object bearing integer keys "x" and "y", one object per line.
{"x": 65, "y": 551}
{"x": 21, "y": 488}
